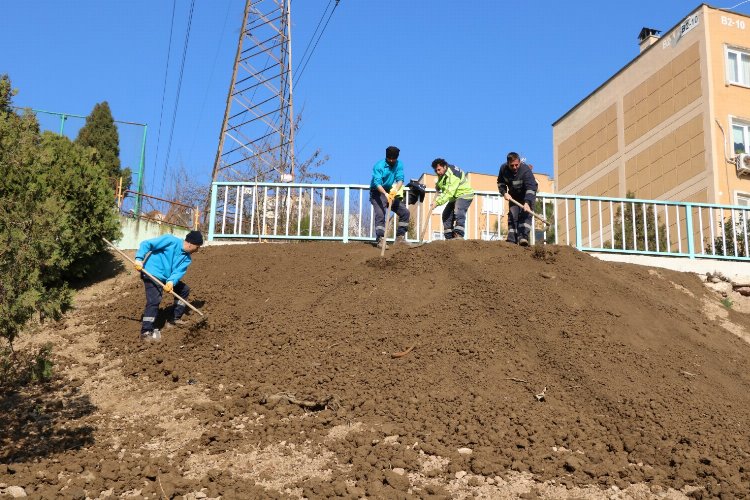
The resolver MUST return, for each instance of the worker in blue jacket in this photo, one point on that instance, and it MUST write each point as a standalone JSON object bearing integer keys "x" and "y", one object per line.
{"x": 167, "y": 259}
{"x": 386, "y": 187}
{"x": 516, "y": 180}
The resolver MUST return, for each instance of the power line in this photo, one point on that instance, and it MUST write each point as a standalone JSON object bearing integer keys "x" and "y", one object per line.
{"x": 210, "y": 79}
{"x": 164, "y": 86}
{"x": 299, "y": 74}
{"x": 312, "y": 37}
{"x": 177, "y": 98}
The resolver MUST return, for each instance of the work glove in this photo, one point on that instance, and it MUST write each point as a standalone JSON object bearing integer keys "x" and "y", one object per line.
{"x": 168, "y": 286}
{"x": 389, "y": 197}
{"x": 138, "y": 265}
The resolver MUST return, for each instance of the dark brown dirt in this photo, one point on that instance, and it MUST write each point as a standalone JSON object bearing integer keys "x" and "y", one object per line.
{"x": 574, "y": 372}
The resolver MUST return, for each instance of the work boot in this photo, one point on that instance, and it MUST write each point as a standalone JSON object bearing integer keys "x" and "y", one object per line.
{"x": 151, "y": 336}
{"x": 400, "y": 239}
{"x": 523, "y": 242}
{"x": 171, "y": 323}
{"x": 381, "y": 243}
{"x": 457, "y": 236}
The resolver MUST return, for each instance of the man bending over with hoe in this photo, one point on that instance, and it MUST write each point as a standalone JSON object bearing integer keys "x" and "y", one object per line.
{"x": 516, "y": 182}
{"x": 455, "y": 190}
{"x": 386, "y": 194}
{"x": 166, "y": 259}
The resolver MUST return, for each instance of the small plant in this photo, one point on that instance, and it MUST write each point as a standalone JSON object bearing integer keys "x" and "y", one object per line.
{"x": 40, "y": 369}
{"x": 25, "y": 367}
{"x": 727, "y": 302}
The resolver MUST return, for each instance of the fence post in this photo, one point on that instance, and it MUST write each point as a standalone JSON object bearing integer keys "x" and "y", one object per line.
{"x": 212, "y": 213}
{"x": 579, "y": 233}
{"x": 141, "y": 163}
{"x": 346, "y": 214}
{"x": 689, "y": 226}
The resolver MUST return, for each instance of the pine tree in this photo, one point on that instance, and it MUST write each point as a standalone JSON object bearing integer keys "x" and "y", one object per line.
{"x": 100, "y": 133}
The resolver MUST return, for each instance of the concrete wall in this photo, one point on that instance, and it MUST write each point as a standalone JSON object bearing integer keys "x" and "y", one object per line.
{"x": 136, "y": 230}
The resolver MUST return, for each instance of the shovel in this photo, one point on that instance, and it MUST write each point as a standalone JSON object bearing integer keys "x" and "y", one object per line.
{"x": 151, "y": 276}
{"x": 424, "y": 227}
{"x": 387, "y": 225}
{"x": 535, "y": 215}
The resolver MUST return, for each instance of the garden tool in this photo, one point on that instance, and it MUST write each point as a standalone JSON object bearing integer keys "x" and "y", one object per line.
{"x": 424, "y": 227}
{"x": 534, "y": 214}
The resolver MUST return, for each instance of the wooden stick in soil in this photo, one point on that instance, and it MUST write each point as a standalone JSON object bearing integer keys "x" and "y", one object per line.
{"x": 403, "y": 353}
{"x": 151, "y": 276}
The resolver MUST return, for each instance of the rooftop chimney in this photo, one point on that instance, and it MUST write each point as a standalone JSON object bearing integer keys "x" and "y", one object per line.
{"x": 647, "y": 37}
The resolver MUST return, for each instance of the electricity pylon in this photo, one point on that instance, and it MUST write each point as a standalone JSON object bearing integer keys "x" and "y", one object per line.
{"x": 257, "y": 135}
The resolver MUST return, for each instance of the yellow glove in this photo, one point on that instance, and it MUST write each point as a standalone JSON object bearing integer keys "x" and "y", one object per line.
{"x": 391, "y": 195}
{"x": 138, "y": 266}
{"x": 168, "y": 286}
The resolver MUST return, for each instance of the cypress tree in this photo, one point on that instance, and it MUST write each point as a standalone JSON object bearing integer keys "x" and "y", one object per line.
{"x": 100, "y": 133}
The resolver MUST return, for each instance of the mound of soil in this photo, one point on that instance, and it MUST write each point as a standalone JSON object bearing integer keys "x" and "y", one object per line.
{"x": 455, "y": 369}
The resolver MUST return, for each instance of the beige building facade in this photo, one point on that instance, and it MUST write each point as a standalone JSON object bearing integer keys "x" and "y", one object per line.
{"x": 670, "y": 124}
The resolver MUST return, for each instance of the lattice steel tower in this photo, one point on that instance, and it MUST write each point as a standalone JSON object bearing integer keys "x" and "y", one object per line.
{"x": 257, "y": 136}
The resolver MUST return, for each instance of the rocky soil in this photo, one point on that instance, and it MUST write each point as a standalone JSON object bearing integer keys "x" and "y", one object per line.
{"x": 453, "y": 370}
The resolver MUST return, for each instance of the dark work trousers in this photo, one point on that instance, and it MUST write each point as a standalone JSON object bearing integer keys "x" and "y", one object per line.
{"x": 519, "y": 224}
{"x": 454, "y": 217}
{"x": 379, "y": 209}
{"x": 153, "y": 299}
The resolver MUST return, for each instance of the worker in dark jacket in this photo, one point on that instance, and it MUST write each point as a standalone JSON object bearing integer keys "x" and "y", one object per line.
{"x": 387, "y": 188}
{"x": 516, "y": 180}
{"x": 166, "y": 258}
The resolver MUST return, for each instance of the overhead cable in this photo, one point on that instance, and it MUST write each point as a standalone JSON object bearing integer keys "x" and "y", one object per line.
{"x": 179, "y": 87}
{"x": 304, "y": 63}
{"x": 164, "y": 87}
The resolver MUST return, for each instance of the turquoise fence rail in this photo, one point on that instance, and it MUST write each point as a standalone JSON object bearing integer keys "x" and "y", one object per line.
{"x": 646, "y": 227}
{"x": 288, "y": 211}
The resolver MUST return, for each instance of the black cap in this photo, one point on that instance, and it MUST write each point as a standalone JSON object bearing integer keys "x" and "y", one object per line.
{"x": 391, "y": 152}
{"x": 194, "y": 237}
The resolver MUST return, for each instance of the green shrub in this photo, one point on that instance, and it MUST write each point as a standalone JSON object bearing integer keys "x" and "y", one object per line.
{"x": 56, "y": 204}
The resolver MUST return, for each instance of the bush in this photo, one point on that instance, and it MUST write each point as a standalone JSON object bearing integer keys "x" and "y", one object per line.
{"x": 56, "y": 205}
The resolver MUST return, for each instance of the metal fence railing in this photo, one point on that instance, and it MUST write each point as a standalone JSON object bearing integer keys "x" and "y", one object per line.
{"x": 646, "y": 227}
{"x": 327, "y": 212}
{"x": 246, "y": 210}
{"x": 155, "y": 209}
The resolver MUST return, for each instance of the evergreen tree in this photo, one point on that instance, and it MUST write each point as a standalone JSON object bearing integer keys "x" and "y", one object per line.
{"x": 733, "y": 238}
{"x": 55, "y": 205}
{"x": 100, "y": 133}
{"x": 645, "y": 231}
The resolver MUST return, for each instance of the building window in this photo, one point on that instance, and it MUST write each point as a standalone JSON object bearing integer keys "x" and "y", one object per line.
{"x": 738, "y": 67}
{"x": 740, "y": 137}
{"x": 743, "y": 199}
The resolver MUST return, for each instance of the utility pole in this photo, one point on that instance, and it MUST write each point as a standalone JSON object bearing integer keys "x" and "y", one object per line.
{"x": 257, "y": 134}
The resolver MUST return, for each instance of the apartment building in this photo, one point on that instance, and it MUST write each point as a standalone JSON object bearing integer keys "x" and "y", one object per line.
{"x": 672, "y": 124}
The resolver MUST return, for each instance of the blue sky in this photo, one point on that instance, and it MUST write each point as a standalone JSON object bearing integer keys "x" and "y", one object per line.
{"x": 464, "y": 80}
